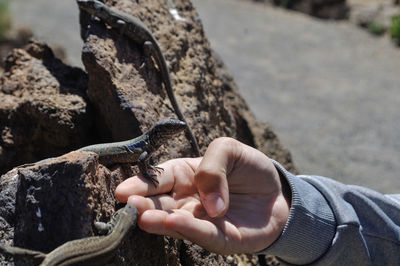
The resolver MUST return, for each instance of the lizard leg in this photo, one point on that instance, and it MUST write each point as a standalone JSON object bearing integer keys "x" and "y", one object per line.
{"x": 144, "y": 165}
{"x": 156, "y": 168}
{"x": 107, "y": 228}
{"x": 148, "y": 50}
{"x": 102, "y": 228}
{"x": 121, "y": 26}
{"x": 152, "y": 165}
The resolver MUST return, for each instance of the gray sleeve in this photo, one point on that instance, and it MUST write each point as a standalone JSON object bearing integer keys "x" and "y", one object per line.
{"x": 331, "y": 223}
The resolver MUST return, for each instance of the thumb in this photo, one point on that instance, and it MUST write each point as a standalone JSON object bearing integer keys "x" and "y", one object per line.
{"x": 211, "y": 175}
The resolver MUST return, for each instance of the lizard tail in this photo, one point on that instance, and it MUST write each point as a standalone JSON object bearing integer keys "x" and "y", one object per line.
{"x": 168, "y": 87}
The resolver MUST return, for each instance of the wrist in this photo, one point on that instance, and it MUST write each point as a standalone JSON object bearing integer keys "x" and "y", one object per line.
{"x": 311, "y": 220}
{"x": 281, "y": 210}
{"x": 285, "y": 187}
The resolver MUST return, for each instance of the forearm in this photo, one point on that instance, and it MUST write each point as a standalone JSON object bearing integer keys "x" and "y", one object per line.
{"x": 333, "y": 223}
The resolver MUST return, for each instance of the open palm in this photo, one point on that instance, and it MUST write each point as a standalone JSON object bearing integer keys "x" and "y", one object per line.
{"x": 229, "y": 201}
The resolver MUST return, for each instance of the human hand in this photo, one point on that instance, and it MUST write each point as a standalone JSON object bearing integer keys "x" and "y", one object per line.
{"x": 229, "y": 201}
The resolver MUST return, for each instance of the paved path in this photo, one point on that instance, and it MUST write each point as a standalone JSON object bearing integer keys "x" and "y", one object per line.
{"x": 330, "y": 90}
{"x": 54, "y": 21}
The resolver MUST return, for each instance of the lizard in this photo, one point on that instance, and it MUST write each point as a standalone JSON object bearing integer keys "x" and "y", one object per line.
{"x": 135, "y": 151}
{"x": 138, "y": 32}
{"x": 93, "y": 250}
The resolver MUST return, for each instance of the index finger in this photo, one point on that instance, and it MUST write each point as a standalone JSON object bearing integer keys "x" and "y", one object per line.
{"x": 167, "y": 178}
{"x": 211, "y": 175}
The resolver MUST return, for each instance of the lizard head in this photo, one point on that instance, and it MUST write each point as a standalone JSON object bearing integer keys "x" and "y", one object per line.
{"x": 92, "y": 7}
{"x": 102, "y": 11}
{"x": 164, "y": 130}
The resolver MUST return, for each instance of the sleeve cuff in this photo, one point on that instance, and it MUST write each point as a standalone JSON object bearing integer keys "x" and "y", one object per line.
{"x": 311, "y": 225}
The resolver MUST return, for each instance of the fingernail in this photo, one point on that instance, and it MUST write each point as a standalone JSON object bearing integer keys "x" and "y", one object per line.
{"x": 214, "y": 204}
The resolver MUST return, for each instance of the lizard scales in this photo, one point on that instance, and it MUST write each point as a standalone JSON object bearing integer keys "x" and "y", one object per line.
{"x": 94, "y": 250}
{"x": 134, "y": 151}
{"x": 139, "y": 33}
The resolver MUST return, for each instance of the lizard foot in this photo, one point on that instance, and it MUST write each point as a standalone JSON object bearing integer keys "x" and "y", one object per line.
{"x": 151, "y": 177}
{"x": 156, "y": 168}
{"x": 103, "y": 228}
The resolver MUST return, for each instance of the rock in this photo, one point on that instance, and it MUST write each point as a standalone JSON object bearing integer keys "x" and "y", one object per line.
{"x": 126, "y": 92}
{"x": 60, "y": 200}
{"x": 326, "y": 9}
{"x": 8, "y": 191}
{"x": 15, "y": 39}
{"x": 49, "y": 204}
{"x": 209, "y": 100}
{"x": 43, "y": 111}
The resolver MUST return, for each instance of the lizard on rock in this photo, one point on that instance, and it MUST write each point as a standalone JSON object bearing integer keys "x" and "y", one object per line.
{"x": 139, "y": 33}
{"x": 93, "y": 250}
{"x": 135, "y": 151}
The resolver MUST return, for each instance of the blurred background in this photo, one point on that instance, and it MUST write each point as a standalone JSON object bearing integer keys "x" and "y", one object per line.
{"x": 324, "y": 74}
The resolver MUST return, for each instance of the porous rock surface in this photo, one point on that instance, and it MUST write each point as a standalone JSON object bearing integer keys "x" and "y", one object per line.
{"x": 47, "y": 204}
{"x": 43, "y": 111}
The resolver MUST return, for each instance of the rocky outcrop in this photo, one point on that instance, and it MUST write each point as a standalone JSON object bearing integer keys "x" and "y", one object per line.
{"x": 326, "y": 9}
{"x": 18, "y": 39}
{"x": 47, "y": 204}
{"x": 43, "y": 107}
